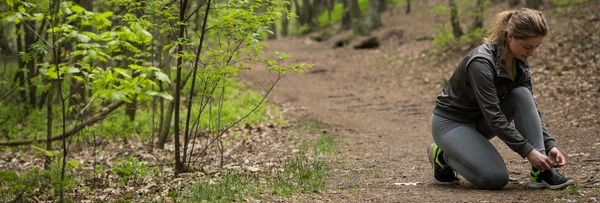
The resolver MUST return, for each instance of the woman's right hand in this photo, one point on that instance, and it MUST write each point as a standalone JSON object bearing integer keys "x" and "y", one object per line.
{"x": 539, "y": 161}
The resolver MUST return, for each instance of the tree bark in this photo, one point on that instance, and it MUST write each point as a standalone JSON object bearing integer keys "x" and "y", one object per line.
{"x": 357, "y": 21}
{"x": 478, "y": 22}
{"x": 374, "y": 16}
{"x": 5, "y": 49}
{"x": 407, "y": 6}
{"x": 20, "y": 76}
{"x": 456, "y": 29}
{"x": 49, "y": 116}
{"x": 285, "y": 22}
{"x": 382, "y": 6}
{"x": 347, "y": 16}
{"x": 178, "y": 85}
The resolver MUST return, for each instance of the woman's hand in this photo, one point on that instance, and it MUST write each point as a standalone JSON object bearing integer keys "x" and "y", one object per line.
{"x": 555, "y": 155}
{"x": 540, "y": 161}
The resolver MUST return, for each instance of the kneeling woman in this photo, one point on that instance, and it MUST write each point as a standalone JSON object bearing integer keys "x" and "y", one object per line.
{"x": 490, "y": 88}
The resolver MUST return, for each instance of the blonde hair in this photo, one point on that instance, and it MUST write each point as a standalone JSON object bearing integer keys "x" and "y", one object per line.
{"x": 523, "y": 24}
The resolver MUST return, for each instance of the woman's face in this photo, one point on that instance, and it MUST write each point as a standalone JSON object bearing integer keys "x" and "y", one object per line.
{"x": 523, "y": 48}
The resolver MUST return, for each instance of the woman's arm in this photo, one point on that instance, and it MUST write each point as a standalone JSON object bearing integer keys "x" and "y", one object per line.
{"x": 480, "y": 74}
{"x": 548, "y": 139}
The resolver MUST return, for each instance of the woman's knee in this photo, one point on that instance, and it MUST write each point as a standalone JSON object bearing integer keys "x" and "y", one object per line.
{"x": 521, "y": 97}
{"x": 521, "y": 92}
{"x": 493, "y": 180}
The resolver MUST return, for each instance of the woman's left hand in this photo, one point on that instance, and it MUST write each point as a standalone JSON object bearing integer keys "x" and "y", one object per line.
{"x": 555, "y": 155}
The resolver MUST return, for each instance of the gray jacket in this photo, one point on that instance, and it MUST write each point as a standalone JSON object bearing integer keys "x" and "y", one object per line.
{"x": 466, "y": 96}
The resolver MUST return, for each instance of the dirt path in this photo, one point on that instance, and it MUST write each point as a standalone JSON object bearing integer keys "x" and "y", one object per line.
{"x": 381, "y": 101}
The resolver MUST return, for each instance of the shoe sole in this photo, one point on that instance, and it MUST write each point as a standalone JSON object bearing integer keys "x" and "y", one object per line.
{"x": 429, "y": 149}
{"x": 544, "y": 185}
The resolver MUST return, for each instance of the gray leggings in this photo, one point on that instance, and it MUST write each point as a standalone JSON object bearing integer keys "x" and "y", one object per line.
{"x": 467, "y": 148}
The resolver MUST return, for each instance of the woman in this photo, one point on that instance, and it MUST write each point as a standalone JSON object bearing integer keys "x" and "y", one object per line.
{"x": 490, "y": 88}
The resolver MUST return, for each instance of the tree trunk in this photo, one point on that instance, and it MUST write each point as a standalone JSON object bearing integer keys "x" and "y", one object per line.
{"x": 306, "y": 19}
{"x": 20, "y": 77}
{"x": 382, "y": 6}
{"x": 5, "y": 49}
{"x": 178, "y": 85}
{"x": 533, "y": 4}
{"x": 347, "y": 16}
{"x": 456, "y": 29}
{"x": 407, "y": 6}
{"x": 49, "y": 117}
{"x": 166, "y": 117}
{"x": 31, "y": 67}
{"x": 285, "y": 22}
{"x": 164, "y": 133}
{"x": 478, "y": 22}
{"x": 373, "y": 16}
{"x": 357, "y": 21}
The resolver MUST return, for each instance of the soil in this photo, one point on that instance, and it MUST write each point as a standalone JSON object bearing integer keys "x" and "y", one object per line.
{"x": 380, "y": 101}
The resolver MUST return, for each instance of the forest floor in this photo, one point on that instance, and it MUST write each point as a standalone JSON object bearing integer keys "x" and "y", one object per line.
{"x": 380, "y": 101}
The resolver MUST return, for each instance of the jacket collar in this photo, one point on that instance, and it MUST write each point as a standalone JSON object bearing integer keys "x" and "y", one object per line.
{"x": 500, "y": 63}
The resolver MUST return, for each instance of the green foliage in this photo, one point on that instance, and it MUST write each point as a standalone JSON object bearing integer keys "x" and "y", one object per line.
{"x": 23, "y": 123}
{"x": 338, "y": 12}
{"x": 237, "y": 101}
{"x": 336, "y": 15}
{"x": 443, "y": 37}
{"x": 12, "y": 184}
{"x": 300, "y": 173}
{"x": 35, "y": 182}
{"x": 568, "y": 4}
{"x": 232, "y": 186}
{"x": 129, "y": 169}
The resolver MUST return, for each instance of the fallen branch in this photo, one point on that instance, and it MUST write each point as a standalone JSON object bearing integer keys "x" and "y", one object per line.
{"x": 100, "y": 116}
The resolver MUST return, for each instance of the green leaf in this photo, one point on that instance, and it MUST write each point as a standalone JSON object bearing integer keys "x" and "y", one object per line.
{"x": 162, "y": 77}
{"x": 78, "y": 78}
{"x": 135, "y": 67}
{"x": 165, "y": 95}
{"x": 78, "y": 9}
{"x": 123, "y": 72}
{"x": 21, "y": 9}
{"x": 73, "y": 70}
{"x": 46, "y": 152}
{"x": 10, "y": 3}
{"x": 82, "y": 38}
{"x": 75, "y": 164}
{"x": 120, "y": 96}
{"x": 92, "y": 35}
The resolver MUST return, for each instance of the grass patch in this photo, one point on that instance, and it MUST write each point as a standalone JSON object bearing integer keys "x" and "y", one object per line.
{"x": 232, "y": 186}
{"x": 302, "y": 172}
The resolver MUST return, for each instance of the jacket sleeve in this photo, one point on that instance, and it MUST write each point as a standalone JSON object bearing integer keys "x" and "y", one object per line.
{"x": 548, "y": 140}
{"x": 480, "y": 74}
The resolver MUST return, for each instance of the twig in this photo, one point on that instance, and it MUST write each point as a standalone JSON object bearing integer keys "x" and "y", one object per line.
{"x": 40, "y": 37}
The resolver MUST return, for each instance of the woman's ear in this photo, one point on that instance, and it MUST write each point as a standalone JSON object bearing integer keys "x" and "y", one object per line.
{"x": 509, "y": 37}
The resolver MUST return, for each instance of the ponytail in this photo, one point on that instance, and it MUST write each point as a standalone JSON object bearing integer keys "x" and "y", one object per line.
{"x": 497, "y": 30}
